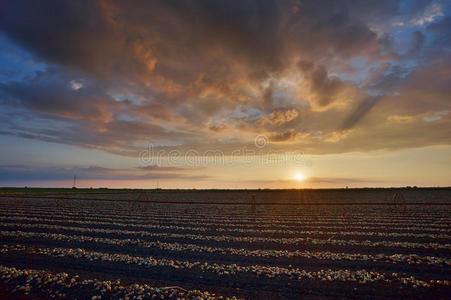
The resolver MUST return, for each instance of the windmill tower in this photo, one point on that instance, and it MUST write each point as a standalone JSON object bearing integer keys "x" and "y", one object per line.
{"x": 74, "y": 185}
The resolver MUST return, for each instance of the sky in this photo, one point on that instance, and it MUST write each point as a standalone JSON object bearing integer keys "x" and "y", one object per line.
{"x": 225, "y": 94}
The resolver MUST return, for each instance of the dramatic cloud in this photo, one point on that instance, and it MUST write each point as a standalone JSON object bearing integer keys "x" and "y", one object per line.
{"x": 321, "y": 76}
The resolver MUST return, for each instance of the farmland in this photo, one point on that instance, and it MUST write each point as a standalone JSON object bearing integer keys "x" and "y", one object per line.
{"x": 250, "y": 244}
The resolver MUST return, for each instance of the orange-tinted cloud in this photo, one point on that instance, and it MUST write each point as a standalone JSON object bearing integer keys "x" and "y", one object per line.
{"x": 217, "y": 73}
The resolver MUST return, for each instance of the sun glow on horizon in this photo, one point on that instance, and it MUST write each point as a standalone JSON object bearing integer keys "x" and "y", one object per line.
{"x": 299, "y": 176}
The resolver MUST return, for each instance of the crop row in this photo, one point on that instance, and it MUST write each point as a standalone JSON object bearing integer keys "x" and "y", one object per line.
{"x": 219, "y": 238}
{"x": 192, "y": 211}
{"x": 336, "y": 232}
{"x": 208, "y": 226}
{"x": 273, "y": 221}
{"x": 174, "y": 246}
{"x": 237, "y": 218}
{"x": 342, "y": 275}
{"x": 62, "y": 285}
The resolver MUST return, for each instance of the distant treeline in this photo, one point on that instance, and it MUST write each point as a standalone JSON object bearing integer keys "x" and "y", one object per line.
{"x": 34, "y": 190}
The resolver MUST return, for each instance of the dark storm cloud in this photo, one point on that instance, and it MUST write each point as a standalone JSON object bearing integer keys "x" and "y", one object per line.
{"x": 360, "y": 111}
{"x": 123, "y": 38}
{"x": 134, "y": 38}
{"x": 323, "y": 87}
{"x": 50, "y": 92}
{"x": 72, "y": 33}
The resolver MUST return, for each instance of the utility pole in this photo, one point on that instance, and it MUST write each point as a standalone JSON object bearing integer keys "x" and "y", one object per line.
{"x": 74, "y": 186}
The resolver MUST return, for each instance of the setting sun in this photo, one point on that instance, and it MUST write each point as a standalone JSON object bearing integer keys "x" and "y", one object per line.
{"x": 299, "y": 176}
